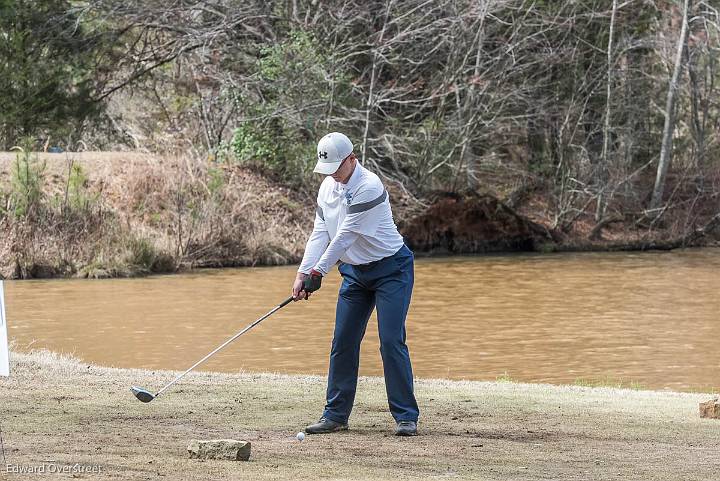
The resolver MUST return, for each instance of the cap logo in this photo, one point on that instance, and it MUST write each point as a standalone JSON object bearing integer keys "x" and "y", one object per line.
{"x": 322, "y": 155}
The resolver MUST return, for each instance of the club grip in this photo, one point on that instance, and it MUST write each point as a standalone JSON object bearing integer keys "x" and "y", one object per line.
{"x": 286, "y": 302}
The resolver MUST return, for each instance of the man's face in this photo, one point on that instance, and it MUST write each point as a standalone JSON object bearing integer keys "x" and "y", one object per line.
{"x": 345, "y": 170}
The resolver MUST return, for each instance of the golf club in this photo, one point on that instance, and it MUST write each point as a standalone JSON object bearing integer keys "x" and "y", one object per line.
{"x": 146, "y": 396}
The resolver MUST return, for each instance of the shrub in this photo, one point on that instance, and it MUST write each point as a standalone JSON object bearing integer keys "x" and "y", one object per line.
{"x": 300, "y": 84}
{"x": 145, "y": 258}
{"x": 275, "y": 147}
{"x": 79, "y": 198}
{"x": 26, "y": 180}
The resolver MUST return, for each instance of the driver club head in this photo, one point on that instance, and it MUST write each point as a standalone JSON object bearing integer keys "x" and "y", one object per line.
{"x": 142, "y": 394}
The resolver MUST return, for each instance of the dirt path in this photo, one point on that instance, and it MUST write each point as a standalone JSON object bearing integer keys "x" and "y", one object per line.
{"x": 59, "y": 411}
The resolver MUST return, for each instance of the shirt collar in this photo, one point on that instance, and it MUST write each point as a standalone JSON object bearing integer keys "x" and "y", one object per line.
{"x": 354, "y": 178}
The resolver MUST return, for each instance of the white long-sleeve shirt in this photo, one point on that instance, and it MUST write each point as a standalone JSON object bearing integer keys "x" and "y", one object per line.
{"x": 353, "y": 224}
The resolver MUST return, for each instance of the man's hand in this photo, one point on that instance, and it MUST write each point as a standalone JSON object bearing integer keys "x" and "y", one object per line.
{"x": 313, "y": 282}
{"x": 297, "y": 290}
{"x": 305, "y": 284}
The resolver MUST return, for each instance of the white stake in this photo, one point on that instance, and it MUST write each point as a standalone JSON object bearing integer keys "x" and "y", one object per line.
{"x": 4, "y": 350}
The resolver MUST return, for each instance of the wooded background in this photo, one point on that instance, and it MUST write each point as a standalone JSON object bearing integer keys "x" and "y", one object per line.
{"x": 609, "y": 108}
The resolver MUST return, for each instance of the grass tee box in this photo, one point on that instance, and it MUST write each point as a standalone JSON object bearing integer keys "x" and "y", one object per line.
{"x": 469, "y": 430}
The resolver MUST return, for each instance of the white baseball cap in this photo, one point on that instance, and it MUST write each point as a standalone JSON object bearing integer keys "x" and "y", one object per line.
{"x": 331, "y": 151}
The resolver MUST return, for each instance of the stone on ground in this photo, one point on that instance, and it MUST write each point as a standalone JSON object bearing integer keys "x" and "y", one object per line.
{"x": 226, "y": 449}
{"x": 710, "y": 409}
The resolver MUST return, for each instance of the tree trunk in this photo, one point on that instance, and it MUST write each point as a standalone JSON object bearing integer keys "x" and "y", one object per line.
{"x": 603, "y": 168}
{"x": 370, "y": 100}
{"x": 669, "y": 129}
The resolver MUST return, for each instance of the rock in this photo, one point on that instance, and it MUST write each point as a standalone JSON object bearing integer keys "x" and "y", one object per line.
{"x": 710, "y": 409}
{"x": 227, "y": 449}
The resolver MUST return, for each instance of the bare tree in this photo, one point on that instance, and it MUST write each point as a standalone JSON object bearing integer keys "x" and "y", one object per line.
{"x": 600, "y": 210}
{"x": 669, "y": 128}
{"x": 455, "y": 95}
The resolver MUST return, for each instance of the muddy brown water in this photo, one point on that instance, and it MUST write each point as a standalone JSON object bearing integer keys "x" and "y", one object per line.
{"x": 647, "y": 319}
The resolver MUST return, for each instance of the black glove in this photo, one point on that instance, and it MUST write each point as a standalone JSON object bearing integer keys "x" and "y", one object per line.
{"x": 312, "y": 282}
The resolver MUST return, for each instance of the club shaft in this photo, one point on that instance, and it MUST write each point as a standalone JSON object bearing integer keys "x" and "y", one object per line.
{"x": 255, "y": 323}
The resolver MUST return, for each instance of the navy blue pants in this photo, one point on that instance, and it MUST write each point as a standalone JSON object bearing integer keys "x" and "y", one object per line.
{"x": 388, "y": 285}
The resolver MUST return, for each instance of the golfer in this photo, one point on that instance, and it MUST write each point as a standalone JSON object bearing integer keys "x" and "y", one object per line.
{"x": 354, "y": 225}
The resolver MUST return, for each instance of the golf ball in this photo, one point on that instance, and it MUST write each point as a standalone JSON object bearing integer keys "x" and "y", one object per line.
{"x": 300, "y": 436}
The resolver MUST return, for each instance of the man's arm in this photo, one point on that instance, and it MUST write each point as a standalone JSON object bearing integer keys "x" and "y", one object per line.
{"x": 342, "y": 242}
{"x": 314, "y": 248}
{"x": 316, "y": 244}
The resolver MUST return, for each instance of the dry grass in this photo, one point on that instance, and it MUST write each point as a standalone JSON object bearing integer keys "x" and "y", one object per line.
{"x": 149, "y": 214}
{"x": 56, "y": 408}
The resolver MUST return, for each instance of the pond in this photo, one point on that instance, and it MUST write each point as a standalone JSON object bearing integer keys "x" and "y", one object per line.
{"x": 650, "y": 320}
